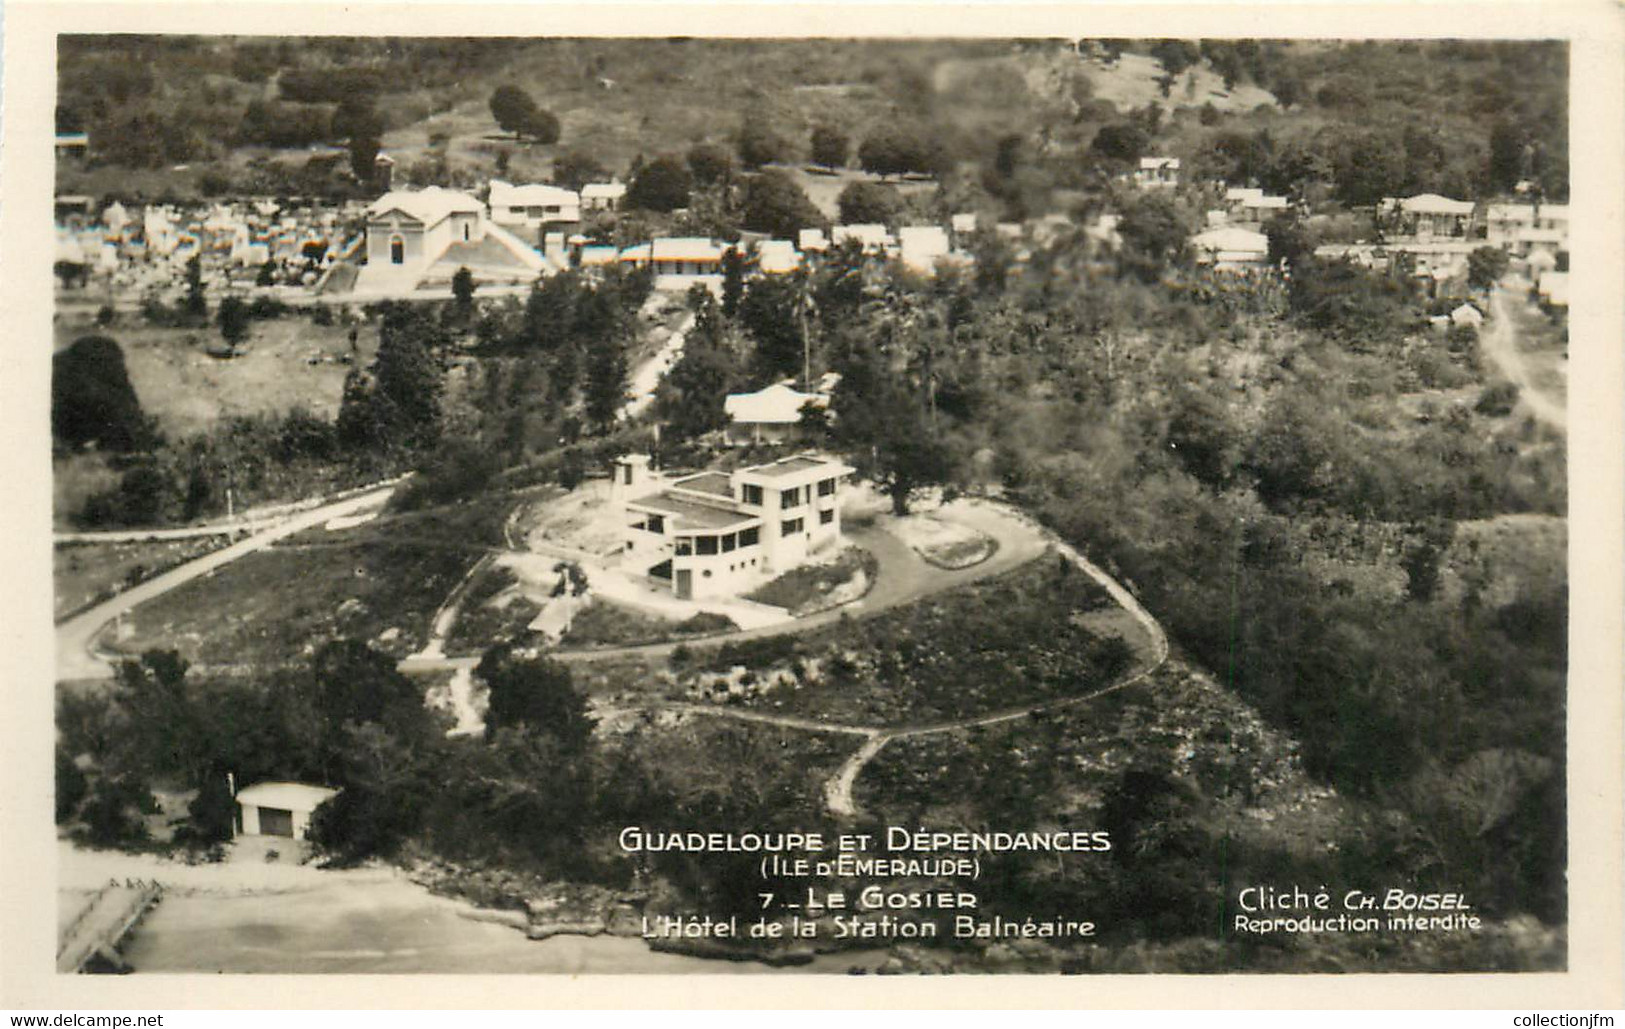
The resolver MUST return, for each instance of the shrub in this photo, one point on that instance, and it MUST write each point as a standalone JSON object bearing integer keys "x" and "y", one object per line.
{"x": 758, "y": 653}
{"x": 1497, "y": 400}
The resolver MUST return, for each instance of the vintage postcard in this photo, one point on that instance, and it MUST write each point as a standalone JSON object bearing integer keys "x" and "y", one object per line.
{"x": 821, "y": 493}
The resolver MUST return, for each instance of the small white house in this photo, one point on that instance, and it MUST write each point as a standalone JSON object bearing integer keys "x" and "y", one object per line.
{"x": 1231, "y": 248}
{"x": 532, "y": 206}
{"x": 1157, "y": 173}
{"x": 280, "y": 808}
{"x": 679, "y": 262}
{"x": 771, "y": 415}
{"x": 777, "y": 257}
{"x": 920, "y": 247}
{"x": 1467, "y": 314}
{"x": 874, "y": 238}
{"x": 602, "y": 196}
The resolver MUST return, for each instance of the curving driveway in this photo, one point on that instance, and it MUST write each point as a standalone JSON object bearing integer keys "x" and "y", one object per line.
{"x": 1021, "y": 540}
{"x": 903, "y": 577}
{"x": 76, "y": 637}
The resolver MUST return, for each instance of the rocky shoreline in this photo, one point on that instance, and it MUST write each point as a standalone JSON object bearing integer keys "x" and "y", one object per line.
{"x": 541, "y": 909}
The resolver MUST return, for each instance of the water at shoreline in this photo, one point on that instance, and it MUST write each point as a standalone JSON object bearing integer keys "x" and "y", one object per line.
{"x": 249, "y": 916}
{"x": 362, "y": 928}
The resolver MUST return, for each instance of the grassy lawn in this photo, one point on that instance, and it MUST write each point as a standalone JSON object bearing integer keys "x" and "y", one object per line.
{"x": 188, "y": 391}
{"x": 88, "y": 573}
{"x": 811, "y": 588}
{"x": 1032, "y": 635}
{"x": 278, "y": 605}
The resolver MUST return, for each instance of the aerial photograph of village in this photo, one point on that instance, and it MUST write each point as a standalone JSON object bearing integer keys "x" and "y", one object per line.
{"x": 847, "y": 506}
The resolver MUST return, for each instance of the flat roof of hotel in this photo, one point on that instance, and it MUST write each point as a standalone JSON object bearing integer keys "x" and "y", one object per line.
{"x": 691, "y": 515}
{"x": 716, "y": 483}
{"x": 799, "y": 465}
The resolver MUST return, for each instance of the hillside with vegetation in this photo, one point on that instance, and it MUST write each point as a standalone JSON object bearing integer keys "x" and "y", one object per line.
{"x": 1351, "y": 531}
{"x": 1020, "y": 119}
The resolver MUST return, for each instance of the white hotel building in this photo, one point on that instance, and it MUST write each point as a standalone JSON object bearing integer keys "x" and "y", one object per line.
{"x": 719, "y": 534}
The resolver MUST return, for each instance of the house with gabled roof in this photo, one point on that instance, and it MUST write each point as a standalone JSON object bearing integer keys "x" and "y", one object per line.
{"x": 1231, "y": 248}
{"x": 533, "y": 206}
{"x": 418, "y": 236}
{"x": 718, "y": 534}
{"x": 678, "y": 262}
{"x": 1157, "y": 173}
{"x": 777, "y": 257}
{"x": 771, "y": 415}
{"x": 602, "y": 196}
{"x": 1426, "y": 216}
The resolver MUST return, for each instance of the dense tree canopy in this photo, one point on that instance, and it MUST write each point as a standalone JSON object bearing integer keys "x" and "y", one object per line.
{"x": 759, "y": 141}
{"x": 869, "y": 202}
{"x": 830, "y": 146}
{"x": 516, "y": 112}
{"x": 895, "y": 150}
{"x": 536, "y": 693}
{"x": 710, "y": 164}
{"x": 92, "y": 400}
{"x": 661, "y": 185}
{"x": 775, "y": 204}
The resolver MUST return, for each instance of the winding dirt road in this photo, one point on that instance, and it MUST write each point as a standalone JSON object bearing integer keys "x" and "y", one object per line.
{"x": 1500, "y": 344}
{"x": 903, "y": 577}
{"x": 1018, "y": 536}
{"x": 76, "y": 637}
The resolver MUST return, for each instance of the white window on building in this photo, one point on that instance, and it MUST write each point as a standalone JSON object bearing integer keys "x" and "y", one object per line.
{"x": 825, "y": 517}
{"x": 789, "y": 498}
{"x": 826, "y": 487}
{"x": 751, "y": 495}
{"x": 749, "y": 537}
{"x": 790, "y": 527}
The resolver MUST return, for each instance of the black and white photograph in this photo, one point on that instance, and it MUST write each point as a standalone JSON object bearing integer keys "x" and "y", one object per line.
{"x": 849, "y": 505}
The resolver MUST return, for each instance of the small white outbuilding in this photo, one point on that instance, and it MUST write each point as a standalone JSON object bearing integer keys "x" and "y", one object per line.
{"x": 280, "y": 808}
